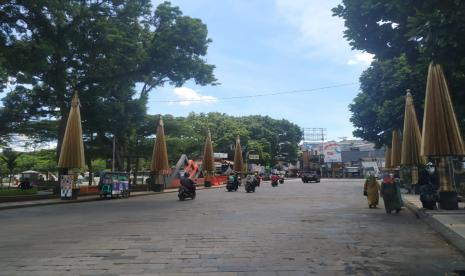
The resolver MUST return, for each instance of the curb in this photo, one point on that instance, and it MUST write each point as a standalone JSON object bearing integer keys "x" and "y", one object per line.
{"x": 96, "y": 198}
{"x": 448, "y": 234}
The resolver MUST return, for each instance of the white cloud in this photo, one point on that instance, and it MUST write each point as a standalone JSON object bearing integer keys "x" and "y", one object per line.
{"x": 315, "y": 23}
{"x": 361, "y": 58}
{"x": 189, "y": 96}
{"x": 320, "y": 33}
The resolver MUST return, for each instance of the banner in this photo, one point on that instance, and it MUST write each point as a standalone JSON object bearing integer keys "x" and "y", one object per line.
{"x": 220, "y": 155}
{"x": 254, "y": 157}
{"x": 332, "y": 152}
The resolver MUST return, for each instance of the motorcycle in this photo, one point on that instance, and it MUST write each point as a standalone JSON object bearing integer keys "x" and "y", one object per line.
{"x": 231, "y": 186}
{"x": 184, "y": 193}
{"x": 250, "y": 187}
{"x": 274, "y": 183}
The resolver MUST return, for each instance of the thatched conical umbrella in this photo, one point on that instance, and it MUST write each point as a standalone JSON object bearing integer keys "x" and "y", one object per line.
{"x": 208, "y": 161}
{"x": 441, "y": 133}
{"x": 387, "y": 157}
{"x": 396, "y": 148}
{"x": 238, "y": 161}
{"x": 411, "y": 138}
{"x": 160, "y": 155}
{"x": 72, "y": 148}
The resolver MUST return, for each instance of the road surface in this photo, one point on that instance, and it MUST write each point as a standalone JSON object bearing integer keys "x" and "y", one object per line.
{"x": 295, "y": 229}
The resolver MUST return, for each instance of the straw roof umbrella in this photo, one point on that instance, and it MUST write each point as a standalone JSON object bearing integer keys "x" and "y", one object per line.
{"x": 387, "y": 157}
{"x": 238, "y": 161}
{"x": 441, "y": 134}
{"x": 160, "y": 154}
{"x": 396, "y": 148}
{"x": 208, "y": 162}
{"x": 411, "y": 138}
{"x": 72, "y": 148}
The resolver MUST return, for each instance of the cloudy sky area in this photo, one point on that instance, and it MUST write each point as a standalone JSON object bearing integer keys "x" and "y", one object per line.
{"x": 262, "y": 46}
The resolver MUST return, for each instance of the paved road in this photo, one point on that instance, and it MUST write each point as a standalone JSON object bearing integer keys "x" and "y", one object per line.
{"x": 295, "y": 229}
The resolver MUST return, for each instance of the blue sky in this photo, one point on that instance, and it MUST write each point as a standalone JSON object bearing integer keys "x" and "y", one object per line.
{"x": 265, "y": 46}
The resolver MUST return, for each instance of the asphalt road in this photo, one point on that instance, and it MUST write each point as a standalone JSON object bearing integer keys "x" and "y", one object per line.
{"x": 295, "y": 229}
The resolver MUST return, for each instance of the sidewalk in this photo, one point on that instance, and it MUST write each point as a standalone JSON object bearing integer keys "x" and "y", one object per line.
{"x": 448, "y": 223}
{"x": 85, "y": 198}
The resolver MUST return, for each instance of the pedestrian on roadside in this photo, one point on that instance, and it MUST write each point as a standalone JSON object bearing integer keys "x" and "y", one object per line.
{"x": 390, "y": 191}
{"x": 371, "y": 191}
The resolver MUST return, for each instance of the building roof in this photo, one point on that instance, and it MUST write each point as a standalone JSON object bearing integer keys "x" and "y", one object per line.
{"x": 355, "y": 155}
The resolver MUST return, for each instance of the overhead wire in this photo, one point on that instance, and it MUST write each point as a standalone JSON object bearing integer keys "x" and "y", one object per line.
{"x": 256, "y": 95}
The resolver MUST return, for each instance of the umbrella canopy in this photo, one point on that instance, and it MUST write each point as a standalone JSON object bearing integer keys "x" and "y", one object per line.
{"x": 396, "y": 148}
{"x": 411, "y": 138}
{"x": 208, "y": 162}
{"x": 441, "y": 133}
{"x": 72, "y": 148}
{"x": 238, "y": 161}
{"x": 387, "y": 157}
{"x": 160, "y": 154}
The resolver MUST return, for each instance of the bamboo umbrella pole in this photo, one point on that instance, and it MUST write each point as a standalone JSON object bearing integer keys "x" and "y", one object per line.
{"x": 159, "y": 166}
{"x": 387, "y": 158}
{"x": 208, "y": 160}
{"x": 411, "y": 140}
{"x": 72, "y": 149}
{"x": 238, "y": 161}
{"x": 441, "y": 134}
{"x": 396, "y": 148}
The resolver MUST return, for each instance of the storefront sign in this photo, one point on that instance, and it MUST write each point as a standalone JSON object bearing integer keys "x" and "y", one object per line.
{"x": 332, "y": 152}
{"x": 220, "y": 155}
{"x": 254, "y": 156}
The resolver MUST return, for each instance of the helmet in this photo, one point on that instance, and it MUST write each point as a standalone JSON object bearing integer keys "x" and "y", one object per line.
{"x": 430, "y": 168}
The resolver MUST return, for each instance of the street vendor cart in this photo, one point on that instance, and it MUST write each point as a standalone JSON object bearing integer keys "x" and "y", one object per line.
{"x": 114, "y": 185}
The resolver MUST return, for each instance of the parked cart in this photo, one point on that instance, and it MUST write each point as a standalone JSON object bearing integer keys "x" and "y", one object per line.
{"x": 114, "y": 185}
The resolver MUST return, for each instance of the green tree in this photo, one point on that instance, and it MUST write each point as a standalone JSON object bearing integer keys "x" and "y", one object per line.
{"x": 101, "y": 49}
{"x": 380, "y": 106}
{"x": 261, "y": 135}
{"x": 9, "y": 157}
{"x": 404, "y": 36}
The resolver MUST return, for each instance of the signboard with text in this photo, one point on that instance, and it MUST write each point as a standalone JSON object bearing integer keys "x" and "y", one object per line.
{"x": 254, "y": 156}
{"x": 332, "y": 152}
{"x": 220, "y": 155}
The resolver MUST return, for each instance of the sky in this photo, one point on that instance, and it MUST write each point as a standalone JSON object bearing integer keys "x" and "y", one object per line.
{"x": 269, "y": 46}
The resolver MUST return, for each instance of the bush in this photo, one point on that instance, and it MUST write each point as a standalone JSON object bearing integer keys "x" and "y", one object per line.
{"x": 16, "y": 192}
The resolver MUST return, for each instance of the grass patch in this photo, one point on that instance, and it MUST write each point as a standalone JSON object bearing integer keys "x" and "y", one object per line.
{"x": 15, "y": 192}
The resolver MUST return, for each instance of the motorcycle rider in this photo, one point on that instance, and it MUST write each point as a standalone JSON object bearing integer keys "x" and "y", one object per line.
{"x": 274, "y": 178}
{"x": 236, "y": 180}
{"x": 256, "y": 179}
{"x": 188, "y": 183}
{"x": 250, "y": 182}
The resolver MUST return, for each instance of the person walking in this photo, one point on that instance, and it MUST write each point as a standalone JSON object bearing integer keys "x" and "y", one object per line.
{"x": 371, "y": 191}
{"x": 390, "y": 191}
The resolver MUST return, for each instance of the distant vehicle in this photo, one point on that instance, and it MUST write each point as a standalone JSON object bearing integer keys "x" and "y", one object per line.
{"x": 310, "y": 176}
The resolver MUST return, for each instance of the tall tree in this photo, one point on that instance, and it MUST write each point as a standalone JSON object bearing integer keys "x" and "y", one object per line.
{"x": 9, "y": 157}
{"x": 101, "y": 49}
{"x": 404, "y": 36}
{"x": 261, "y": 135}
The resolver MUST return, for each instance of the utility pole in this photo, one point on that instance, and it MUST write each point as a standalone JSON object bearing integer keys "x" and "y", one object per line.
{"x": 114, "y": 149}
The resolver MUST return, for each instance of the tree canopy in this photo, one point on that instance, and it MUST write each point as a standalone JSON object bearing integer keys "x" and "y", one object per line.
{"x": 262, "y": 135}
{"x": 271, "y": 139}
{"x": 50, "y": 49}
{"x": 404, "y": 36}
